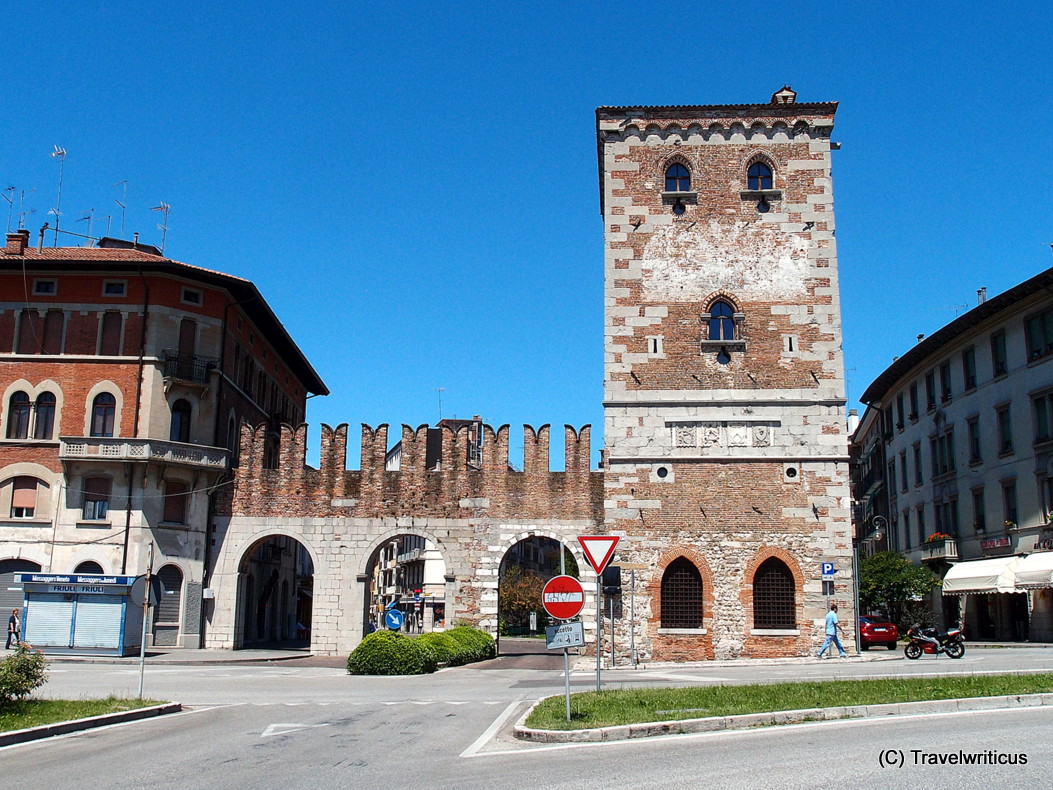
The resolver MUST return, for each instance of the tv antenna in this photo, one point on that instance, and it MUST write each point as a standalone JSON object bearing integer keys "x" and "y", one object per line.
{"x": 164, "y": 208}
{"x": 440, "y": 390}
{"x": 122, "y": 202}
{"x": 88, "y": 217}
{"x": 22, "y": 213}
{"x": 60, "y": 154}
{"x": 10, "y": 204}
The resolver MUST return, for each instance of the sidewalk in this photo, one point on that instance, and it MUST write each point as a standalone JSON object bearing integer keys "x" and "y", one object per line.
{"x": 178, "y": 656}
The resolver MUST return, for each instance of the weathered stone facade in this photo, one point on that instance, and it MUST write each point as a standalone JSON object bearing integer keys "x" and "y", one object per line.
{"x": 473, "y": 515}
{"x": 723, "y": 387}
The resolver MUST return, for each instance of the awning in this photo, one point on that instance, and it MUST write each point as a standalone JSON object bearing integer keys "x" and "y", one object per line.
{"x": 994, "y": 575}
{"x": 1035, "y": 570}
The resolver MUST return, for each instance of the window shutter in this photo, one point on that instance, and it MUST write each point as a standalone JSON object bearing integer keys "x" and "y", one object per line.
{"x": 25, "y": 492}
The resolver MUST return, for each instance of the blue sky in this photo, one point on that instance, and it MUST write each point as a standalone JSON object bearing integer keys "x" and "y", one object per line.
{"x": 413, "y": 186}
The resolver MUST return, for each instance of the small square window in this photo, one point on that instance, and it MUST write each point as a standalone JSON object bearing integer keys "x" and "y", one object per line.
{"x": 45, "y": 287}
{"x": 190, "y": 296}
{"x": 114, "y": 288}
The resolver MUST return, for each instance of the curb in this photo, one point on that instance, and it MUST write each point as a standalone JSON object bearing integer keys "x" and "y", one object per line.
{"x": 156, "y": 661}
{"x": 63, "y": 727}
{"x": 750, "y": 720}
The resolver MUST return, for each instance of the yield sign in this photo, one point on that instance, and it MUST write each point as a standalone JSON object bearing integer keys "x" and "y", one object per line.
{"x": 598, "y": 549}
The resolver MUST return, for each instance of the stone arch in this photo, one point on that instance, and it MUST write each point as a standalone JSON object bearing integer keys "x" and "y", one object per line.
{"x": 758, "y": 155}
{"x": 687, "y": 644}
{"x": 758, "y": 558}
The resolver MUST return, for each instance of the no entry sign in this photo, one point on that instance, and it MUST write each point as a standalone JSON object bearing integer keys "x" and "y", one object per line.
{"x": 563, "y": 597}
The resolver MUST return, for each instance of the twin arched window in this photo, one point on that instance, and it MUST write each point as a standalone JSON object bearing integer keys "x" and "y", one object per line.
{"x": 677, "y": 178}
{"x": 20, "y": 410}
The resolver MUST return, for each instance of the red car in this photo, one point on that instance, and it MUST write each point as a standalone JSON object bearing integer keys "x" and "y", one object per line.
{"x": 877, "y": 631}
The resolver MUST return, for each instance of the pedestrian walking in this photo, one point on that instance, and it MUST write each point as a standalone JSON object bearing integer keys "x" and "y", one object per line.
{"x": 14, "y": 629}
{"x": 832, "y": 627}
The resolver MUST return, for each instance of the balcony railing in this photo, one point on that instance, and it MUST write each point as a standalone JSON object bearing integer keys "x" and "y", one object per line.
{"x": 940, "y": 550}
{"x": 94, "y": 448}
{"x": 188, "y": 367}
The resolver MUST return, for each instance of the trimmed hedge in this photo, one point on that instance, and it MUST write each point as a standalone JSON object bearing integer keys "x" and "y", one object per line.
{"x": 444, "y": 647}
{"x": 393, "y": 653}
{"x": 477, "y": 645}
{"x": 390, "y": 653}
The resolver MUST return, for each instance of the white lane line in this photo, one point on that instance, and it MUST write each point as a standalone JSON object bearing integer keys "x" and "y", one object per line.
{"x": 498, "y": 723}
{"x": 692, "y": 678}
{"x": 753, "y": 731}
{"x": 284, "y": 728}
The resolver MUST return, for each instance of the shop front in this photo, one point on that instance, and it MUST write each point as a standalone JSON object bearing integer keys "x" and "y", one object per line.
{"x": 88, "y": 614}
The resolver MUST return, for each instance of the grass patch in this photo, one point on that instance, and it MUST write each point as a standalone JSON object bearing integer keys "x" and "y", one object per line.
{"x": 37, "y": 712}
{"x": 635, "y": 706}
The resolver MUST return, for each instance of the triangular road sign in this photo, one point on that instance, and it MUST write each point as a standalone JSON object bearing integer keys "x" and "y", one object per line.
{"x": 598, "y": 549}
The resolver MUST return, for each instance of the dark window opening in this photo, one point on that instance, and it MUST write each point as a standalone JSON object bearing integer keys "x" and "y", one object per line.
{"x": 721, "y": 321}
{"x": 18, "y": 409}
{"x": 681, "y": 595}
{"x": 103, "y": 411}
{"x": 44, "y": 425}
{"x": 774, "y": 598}
{"x": 759, "y": 176}
{"x": 677, "y": 178}
{"x": 96, "y": 498}
{"x": 181, "y": 413}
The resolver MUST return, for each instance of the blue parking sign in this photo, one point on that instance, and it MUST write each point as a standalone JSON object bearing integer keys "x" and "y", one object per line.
{"x": 827, "y": 569}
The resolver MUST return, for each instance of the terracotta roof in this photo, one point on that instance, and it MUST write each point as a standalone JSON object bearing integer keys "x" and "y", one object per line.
{"x": 244, "y": 292}
{"x": 934, "y": 343}
{"x": 751, "y": 110}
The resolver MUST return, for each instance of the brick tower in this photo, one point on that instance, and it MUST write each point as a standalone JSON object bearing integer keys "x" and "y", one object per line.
{"x": 726, "y": 448}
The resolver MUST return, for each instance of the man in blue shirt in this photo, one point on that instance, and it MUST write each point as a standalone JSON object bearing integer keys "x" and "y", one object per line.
{"x": 831, "y": 632}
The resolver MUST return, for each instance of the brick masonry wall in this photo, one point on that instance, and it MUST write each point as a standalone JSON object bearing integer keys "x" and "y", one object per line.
{"x": 723, "y": 460}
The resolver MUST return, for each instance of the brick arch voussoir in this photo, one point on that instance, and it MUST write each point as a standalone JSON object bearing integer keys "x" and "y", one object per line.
{"x": 696, "y": 558}
{"x": 721, "y": 295}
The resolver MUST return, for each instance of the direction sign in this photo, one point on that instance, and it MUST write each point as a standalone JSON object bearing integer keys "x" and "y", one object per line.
{"x": 563, "y": 597}
{"x": 393, "y": 619}
{"x": 564, "y": 635}
{"x": 598, "y": 549}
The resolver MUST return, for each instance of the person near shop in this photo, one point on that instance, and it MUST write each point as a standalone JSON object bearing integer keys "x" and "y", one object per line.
{"x": 14, "y": 629}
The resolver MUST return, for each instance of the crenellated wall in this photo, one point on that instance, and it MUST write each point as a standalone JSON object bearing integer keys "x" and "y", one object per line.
{"x": 473, "y": 514}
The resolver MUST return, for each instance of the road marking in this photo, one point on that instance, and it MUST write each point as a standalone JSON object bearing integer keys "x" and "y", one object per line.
{"x": 498, "y": 723}
{"x": 285, "y": 728}
{"x": 692, "y": 678}
{"x": 747, "y": 733}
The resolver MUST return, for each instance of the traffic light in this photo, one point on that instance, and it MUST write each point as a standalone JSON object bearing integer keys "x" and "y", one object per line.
{"x": 612, "y": 580}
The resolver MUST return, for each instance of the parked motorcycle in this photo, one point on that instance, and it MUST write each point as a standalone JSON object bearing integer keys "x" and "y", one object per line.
{"x": 929, "y": 640}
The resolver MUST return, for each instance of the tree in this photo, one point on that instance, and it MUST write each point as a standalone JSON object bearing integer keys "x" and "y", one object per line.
{"x": 520, "y": 594}
{"x": 888, "y": 582}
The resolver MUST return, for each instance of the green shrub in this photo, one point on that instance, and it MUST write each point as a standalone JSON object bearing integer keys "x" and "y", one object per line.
{"x": 390, "y": 653}
{"x": 21, "y": 673}
{"x": 444, "y": 647}
{"x": 477, "y": 645}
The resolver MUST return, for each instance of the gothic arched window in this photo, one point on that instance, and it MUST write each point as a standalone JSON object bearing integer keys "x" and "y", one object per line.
{"x": 721, "y": 321}
{"x": 677, "y": 178}
{"x": 759, "y": 176}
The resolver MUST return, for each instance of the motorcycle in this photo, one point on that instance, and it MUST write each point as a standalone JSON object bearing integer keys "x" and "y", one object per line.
{"x": 929, "y": 640}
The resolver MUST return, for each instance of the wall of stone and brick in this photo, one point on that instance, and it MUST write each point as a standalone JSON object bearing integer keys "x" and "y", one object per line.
{"x": 724, "y": 461}
{"x": 343, "y": 517}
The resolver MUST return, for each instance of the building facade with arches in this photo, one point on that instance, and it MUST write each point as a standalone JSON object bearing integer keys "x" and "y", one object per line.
{"x": 123, "y": 378}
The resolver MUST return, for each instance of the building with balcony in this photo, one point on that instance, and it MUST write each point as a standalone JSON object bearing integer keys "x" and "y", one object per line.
{"x": 961, "y": 427}
{"x": 124, "y": 379}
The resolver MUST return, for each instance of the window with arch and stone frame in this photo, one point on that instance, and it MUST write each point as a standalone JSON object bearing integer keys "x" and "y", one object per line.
{"x": 103, "y": 414}
{"x": 681, "y": 596}
{"x": 774, "y": 596}
{"x": 677, "y": 177}
{"x": 182, "y": 412}
{"x": 760, "y": 175}
{"x": 19, "y": 408}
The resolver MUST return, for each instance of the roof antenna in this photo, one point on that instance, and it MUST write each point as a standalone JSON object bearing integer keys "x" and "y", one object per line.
{"x": 60, "y": 153}
{"x": 88, "y": 217}
{"x": 121, "y": 203}
{"x": 10, "y": 204}
{"x": 163, "y": 227}
{"x": 22, "y": 213}
{"x": 440, "y": 390}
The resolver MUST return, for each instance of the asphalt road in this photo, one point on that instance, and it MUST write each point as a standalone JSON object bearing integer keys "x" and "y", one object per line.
{"x": 285, "y": 726}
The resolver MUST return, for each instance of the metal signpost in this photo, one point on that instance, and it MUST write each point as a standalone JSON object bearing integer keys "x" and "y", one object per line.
{"x": 146, "y": 608}
{"x": 563, "y": 597}
{"x": 598, "y": 550}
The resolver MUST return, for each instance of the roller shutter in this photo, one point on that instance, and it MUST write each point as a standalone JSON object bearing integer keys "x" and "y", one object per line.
{"x": 49, "y": 620}
{"x": 98, "y": 621}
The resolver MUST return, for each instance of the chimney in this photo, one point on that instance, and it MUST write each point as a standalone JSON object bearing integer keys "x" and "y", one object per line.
{"x": 981, "y": 295}
{"x": 785, "y": 96}
{"x": 17, "y": 242}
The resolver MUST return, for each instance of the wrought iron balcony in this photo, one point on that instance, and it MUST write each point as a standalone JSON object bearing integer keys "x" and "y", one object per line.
{"x": 188, "y": 367}
{"x": 945, "y": 550}
{"x": 95, "y": 448}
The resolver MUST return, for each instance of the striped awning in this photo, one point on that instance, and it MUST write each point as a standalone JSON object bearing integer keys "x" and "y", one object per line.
{"x": 994, "y": 575}
{"x": 1035, "y": 570}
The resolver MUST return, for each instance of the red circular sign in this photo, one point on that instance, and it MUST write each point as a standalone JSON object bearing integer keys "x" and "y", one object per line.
{"x": 563, "y": 597}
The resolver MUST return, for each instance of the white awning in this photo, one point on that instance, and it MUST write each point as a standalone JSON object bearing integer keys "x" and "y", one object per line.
{"x": 994, "y": 575}
{"x": 1035, "y": 570}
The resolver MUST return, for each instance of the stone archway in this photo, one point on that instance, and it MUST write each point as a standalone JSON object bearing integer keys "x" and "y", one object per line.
{"x": 275, "y": 591}
{"x": 408, "y": 572}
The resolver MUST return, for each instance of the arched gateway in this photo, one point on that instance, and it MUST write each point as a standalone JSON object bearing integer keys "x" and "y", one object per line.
{"x": 453, "y": 500}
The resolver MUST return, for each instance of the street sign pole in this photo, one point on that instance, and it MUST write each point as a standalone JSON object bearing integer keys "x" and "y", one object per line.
{"x": 610, "y": 605}
{"x": 599, "y": 630}
{"x": 146, "y": 609}
{"x": 566, "y": 677}
{"x": 632, "y": 615}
